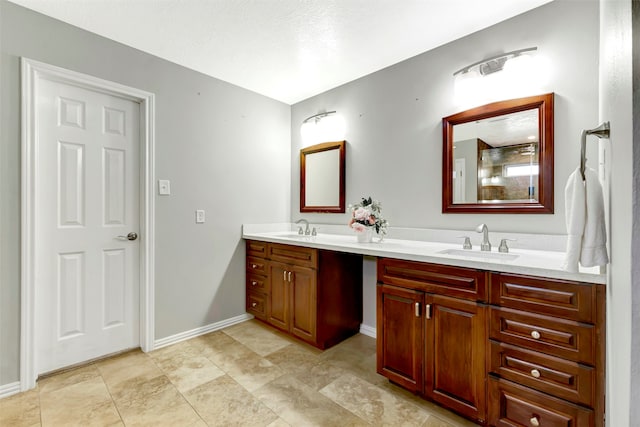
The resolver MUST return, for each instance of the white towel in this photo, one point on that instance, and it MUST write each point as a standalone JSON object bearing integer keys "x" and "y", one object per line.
{"x": 584, "y": 208}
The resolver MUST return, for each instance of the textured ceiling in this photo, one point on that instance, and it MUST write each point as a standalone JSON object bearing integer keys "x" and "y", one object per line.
{"x": 288, "y": 50}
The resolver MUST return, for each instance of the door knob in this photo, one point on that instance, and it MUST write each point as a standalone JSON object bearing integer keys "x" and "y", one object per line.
{"x": 130, "y": 236}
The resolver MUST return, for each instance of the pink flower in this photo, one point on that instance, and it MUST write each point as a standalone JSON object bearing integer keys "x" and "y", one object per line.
{"x": 372, "y": 220}
{"x": 358, "y": 227}
{"x": 361, "y": 214}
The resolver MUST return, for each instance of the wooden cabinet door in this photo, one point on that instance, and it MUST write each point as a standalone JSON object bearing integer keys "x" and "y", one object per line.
{"x": 303, "y": 302}
{"x": 400, "y": 336}
{"x": 455, "y": 349}
{"x": 278, "y": 304}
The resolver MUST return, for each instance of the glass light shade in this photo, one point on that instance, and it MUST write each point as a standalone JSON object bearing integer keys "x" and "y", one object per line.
{"x": 466, "y": 86}
{"x": 307, "y": 132}
{"x": 325, "y": 129}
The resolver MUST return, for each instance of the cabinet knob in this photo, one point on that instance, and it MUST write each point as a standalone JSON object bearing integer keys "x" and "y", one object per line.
{"x": 254, "y": 283}
{"x": 534, "y": 421}
{"x": 535, "y": 373}
{"x": 535, "y": 335}
{"x": 254, "y": 304}
{"x": 254, "y": 266}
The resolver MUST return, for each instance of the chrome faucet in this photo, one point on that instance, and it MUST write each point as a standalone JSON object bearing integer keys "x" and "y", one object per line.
{"x": 307, "y": 231}
{"x": 485, "y": 245}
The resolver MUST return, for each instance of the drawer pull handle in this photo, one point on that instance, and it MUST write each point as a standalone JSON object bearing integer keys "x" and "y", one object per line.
{"x": 255, "y": 304}
{"x": 417, "y": 309}
{"x": 289, "y": 276}
{"x": 254, "y": 266}
{"x": 284, "y": 276}
{"x": 254, "y": 283}
{"x": 534, "y": 421}
{"x": 535, "y": 335}
{"x": 535, "y": 373}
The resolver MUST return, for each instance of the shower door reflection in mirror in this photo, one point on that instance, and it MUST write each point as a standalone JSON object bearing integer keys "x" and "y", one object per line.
{"x": 498, "y": 158}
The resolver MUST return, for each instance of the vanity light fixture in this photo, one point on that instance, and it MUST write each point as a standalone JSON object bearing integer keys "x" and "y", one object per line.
{"x": 508, "y": 75}
{"x": 323, "y": 127}
{"x": 495, "y": 63}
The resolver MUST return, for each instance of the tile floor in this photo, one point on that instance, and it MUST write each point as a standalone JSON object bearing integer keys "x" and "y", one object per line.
{"x": 245, "y": 375}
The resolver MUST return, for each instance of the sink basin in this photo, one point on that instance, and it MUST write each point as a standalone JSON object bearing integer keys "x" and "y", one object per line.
{"x": 290, "y": 235}
{"x": 480, "y": 254}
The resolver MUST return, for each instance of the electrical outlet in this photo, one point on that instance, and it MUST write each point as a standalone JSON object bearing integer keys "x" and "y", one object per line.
{"x": 199, "y": 216}
{"x": 164, "y": 187}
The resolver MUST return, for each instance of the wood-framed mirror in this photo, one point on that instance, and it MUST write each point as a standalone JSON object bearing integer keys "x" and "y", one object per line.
{"x": 322, "y": 177}
{"x": 498, "y": 158}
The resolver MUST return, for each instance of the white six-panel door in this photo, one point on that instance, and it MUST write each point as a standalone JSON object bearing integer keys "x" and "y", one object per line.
{"x": 87, "y": 281}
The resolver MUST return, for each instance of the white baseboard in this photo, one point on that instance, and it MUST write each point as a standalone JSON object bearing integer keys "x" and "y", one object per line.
{"x": 182, "y": 336}
{"x": 368, "y": 331}
{"x": 10, "y": 389}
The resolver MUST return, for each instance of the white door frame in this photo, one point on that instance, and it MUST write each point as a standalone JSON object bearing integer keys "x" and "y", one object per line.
{"x": 32, "y": 72}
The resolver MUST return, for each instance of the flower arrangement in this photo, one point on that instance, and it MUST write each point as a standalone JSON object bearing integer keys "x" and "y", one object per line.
{"x": 368, "y": 213}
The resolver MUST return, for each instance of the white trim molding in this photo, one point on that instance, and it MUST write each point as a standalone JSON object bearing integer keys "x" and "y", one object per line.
{"x": 183, "y": 336}
{"x": 32, "y": 72}
{"x": 367, "y": 330}
{"x": 10, "y": 389}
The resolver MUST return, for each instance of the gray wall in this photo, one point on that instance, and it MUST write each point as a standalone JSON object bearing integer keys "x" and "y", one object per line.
{"x": 225, "y": 150}
{"x": 393, "y": 118}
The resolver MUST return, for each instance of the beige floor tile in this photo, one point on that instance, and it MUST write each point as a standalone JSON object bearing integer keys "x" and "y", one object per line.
{"x": 437, "y": 412}
{"x": 223, "y": 402}
{"x": 360, "y": 364}
{"x": 245, "y": 366}
{"x": 321, "y": 374}
{"x": 155, "y": 402}
{"x": 299, "y": 405}
{"x": 67, "y": 378}
{"x": 253, "y": 372}
{"x": 258, "y": 337}
{"x": 127, "y": 370}
{"x": 184, "y": 349}
{"x": 212, "y": 343}
{"x": 279, "y": 423}
{"x": 295, "y": 358}
{"x": 21, "y": 410}
{"x": 373, "y": 404}
{"x": 434, "y": 421}
{"x": 86, "y": 403}
{"x": 187, "y": 372}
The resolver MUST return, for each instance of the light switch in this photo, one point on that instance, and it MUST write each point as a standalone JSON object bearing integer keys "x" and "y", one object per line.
{"x": 199, "y": 216}
{"x": 164, "y": 187}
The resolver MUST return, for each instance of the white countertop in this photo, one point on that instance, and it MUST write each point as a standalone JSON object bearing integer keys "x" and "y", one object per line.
{"x": 529, "y": 261}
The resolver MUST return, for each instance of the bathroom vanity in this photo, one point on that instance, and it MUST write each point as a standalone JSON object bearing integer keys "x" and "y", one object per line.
{"x": 314, "y": 295}
{"x": 500, "y": 342}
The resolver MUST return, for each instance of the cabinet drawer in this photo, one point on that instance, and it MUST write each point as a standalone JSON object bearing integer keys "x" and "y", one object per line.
{"x": 298, "y": 255}
{"x": 457, "y": 282}
{"x": 514, "y": 405}
{"x": 256, "y": 304}
{"x": 256, "y": 282}
{"x": 569, "y": 300}
{"x": 256, "y": 265}
{"x": 559, "y": 377}
{"x": 256, "y": 248}
{"x": 557, "y": 337}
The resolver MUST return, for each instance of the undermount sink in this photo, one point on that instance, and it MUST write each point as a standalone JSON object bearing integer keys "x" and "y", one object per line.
{"x": 290, "y": 235}
{"x": 480, "y": 254}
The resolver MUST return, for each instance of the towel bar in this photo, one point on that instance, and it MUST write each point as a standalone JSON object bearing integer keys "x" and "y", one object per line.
{"x": 601, "y": 131}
